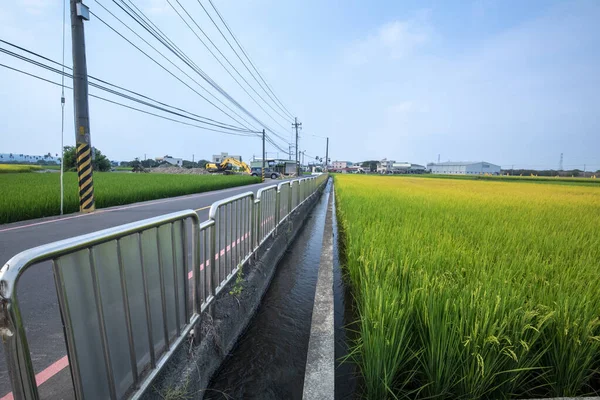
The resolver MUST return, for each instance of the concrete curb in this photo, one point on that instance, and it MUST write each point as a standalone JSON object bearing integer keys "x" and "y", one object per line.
{"x": 319, "y": 379}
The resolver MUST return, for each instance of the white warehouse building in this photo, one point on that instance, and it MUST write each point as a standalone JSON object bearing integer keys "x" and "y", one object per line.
{"x": 464, "y": 168}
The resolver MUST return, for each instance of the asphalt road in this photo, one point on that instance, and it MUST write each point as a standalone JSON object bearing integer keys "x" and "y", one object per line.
{"x": 37, "y": 293}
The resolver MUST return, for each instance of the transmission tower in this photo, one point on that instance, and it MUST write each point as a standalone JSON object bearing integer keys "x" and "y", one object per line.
{"x": 560, "y": 164}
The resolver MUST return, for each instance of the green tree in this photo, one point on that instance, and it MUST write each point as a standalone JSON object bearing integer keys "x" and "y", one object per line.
{"x": 99, "y": 162}
{"x": 189, "y": 164}
{"x": 149, "y": 163}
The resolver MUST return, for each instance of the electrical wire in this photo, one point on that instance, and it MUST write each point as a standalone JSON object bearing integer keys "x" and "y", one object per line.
{"x": 165, "y": 42}
{"x": 222, "y": 124}
{"x": 227, "y": 60}
{"x": 112, "y": 91}
{"x": 128, "y": 106}
{"x": 170, "y": 72}
{"x": 176, "y": 51}
{"x": 245, "y": 66}
{"x": 248, "y": 58}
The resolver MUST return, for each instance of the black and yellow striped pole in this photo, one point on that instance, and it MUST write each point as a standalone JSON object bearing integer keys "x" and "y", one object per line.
{"x": 83, "y": 142}
{"x": 84, "y": 174}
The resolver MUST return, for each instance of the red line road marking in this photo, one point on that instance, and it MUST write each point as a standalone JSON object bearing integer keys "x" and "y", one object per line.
{"x": 46, "y": 374}
{"x": 61, "y": 364}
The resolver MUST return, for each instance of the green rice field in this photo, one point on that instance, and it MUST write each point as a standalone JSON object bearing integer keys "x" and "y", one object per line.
{"x": 472, "y": 289}
{"x": 24, "y": 196}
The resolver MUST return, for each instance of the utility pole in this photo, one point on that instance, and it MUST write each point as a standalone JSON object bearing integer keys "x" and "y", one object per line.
{"x": 83, "y": 142}
{"x": 192, "y": 157}
{"x": 263, "y": 157}
{"x": 327, "y": 155}
{"x": 297, "y": 125}
{"x": 438, "y": 158}
{"x": 584, "y": 170}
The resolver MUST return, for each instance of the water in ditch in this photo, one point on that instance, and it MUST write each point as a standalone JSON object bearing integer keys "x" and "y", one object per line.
{"x": 270, "y": 358}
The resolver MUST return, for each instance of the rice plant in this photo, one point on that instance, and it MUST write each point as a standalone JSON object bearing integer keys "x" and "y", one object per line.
{"x": 14, "y": 168}
{"x": 473, "y": 288}
{"x": 26, "y": 196}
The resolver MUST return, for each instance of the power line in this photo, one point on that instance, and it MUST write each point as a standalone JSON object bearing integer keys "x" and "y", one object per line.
{"x": 275, "y": 144}
{"x": 131, "y": 107}
{"x": 93, "y": 84}
{"x": 226, "y": 59}
{"x": 165, "y": 41}
{"x": 224, "y": 125}
{"x": 247, "y": 57}
{"x": 167, "y": 70}
{"x": 184, "y": 58}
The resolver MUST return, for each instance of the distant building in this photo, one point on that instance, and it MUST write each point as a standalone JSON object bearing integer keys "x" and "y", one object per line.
{"x": 176, "y": 162}
{"x": 28, "y": 159}
{"x": 218, "y": 158}
{"x": 464, "y": 168}
{"x": 340, "y": 164}
{"x": 392, "y": 167}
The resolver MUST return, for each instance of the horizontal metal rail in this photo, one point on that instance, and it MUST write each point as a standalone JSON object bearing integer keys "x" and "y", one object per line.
{"x": 123, "y": 292}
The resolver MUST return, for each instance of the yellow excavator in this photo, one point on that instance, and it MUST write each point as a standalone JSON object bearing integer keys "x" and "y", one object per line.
{"x": 226, "y": 166}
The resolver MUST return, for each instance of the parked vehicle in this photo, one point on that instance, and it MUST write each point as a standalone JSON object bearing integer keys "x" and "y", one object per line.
{"x": 257, "y": 171}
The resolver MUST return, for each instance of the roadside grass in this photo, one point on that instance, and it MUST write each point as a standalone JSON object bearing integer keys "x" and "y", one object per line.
{"x": 27, "y": 196}
{"x": 472, "y": 289}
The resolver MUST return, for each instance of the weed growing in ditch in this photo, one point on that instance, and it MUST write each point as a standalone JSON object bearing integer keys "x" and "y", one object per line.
{"x": 238, "y": 286}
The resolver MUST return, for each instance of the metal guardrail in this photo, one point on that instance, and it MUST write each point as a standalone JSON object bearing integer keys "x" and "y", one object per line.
{"x": 232, "y": 235}
{"x": 266, "y": 212}
{"x": 124, "y": 295}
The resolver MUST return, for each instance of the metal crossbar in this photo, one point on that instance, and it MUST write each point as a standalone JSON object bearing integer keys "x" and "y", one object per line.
{"x": 124, "y": 293}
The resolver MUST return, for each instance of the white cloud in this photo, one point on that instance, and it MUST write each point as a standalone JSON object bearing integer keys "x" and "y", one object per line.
{"x": 393, "y": 40}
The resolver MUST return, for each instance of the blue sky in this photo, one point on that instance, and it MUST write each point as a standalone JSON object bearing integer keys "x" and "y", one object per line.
{"x": 509, "y": 82}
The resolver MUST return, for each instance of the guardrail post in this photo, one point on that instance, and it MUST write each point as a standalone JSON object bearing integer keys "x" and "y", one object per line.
{"x": 16, "y": 349}
{"x": 259, "y": 228}
{"x": 213, "y": 262}
{"x": 277, "y": 208}
{"x": 197, "y": 303}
